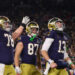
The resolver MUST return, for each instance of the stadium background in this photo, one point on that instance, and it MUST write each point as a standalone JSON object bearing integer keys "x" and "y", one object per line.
{"x": 41, "y": 11}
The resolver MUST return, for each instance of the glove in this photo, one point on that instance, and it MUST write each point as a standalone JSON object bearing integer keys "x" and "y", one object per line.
{"x": 18, "y": 70}
{"x": 25, "y": 20}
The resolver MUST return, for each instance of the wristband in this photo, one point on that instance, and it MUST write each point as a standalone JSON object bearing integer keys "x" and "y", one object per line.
{"x": 50, "y": 61}
{"x": 24, "y": 25}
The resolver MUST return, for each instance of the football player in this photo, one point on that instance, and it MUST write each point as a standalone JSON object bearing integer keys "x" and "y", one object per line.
{"x": 7, "y": 44}
{"x": 27, "y": 49}
{"x": 54, "y": 49}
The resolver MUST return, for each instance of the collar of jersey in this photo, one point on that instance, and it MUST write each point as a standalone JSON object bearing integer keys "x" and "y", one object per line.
{"x": 29, "y": 35}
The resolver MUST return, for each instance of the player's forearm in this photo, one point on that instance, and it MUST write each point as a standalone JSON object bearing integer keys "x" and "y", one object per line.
{"x": 17, "y": 32}
{"x": 68, "y": 60}
{"x": 45, "y": 55}
{"x": 47, "y": 58}
{"x": 16, "y": 61}
{"x": 19, "y": 48}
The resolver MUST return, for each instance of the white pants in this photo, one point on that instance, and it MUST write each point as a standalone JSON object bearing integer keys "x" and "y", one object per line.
{"x": 2, "y": 67}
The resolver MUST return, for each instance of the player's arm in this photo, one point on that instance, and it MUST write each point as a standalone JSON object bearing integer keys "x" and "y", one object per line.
{"x": 19, "y": 48}
{"x": 68, "y": 60}
{"x": 47, "y": 44}
{"x": 19, "y": 30}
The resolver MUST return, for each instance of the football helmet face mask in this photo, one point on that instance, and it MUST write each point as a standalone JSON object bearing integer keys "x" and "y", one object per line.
{"x": 5, "y": 23}
{"x": 56, "y": 24}
{"x": 32, "y": 28}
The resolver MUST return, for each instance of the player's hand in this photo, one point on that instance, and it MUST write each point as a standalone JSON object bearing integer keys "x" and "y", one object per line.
{"x": 53, "y": 65}
{"x": 18, "y": 70}
{"x": 72, "y": 66}
{"x": 25, "y": 19}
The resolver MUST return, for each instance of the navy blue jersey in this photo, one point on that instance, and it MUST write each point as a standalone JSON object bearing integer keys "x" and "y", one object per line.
{"x": 56, "y": 51}
{"x": 6, "y": 47}
{"x": 29, "y": 51}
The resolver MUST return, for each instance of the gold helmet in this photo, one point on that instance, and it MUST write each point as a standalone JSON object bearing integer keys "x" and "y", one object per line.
{"x": 53, "y": 26}
{"x": 30, "y": 26}
{"x": 5, "y": 23}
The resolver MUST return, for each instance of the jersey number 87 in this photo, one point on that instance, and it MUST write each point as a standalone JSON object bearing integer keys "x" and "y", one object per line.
{"x": 31, "y": 48}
